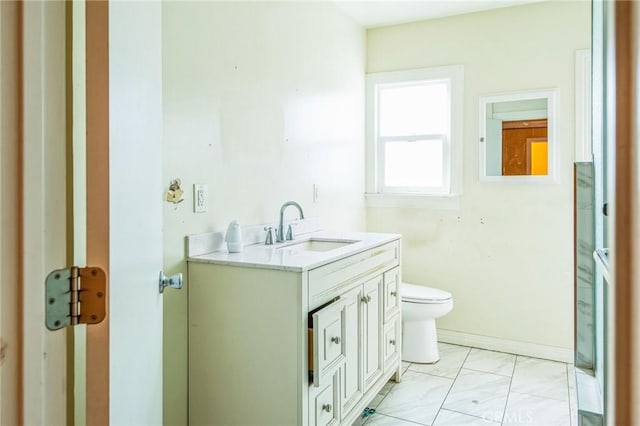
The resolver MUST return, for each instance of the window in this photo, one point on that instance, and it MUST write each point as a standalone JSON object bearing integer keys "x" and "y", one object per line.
{"x": 414, "y": 122}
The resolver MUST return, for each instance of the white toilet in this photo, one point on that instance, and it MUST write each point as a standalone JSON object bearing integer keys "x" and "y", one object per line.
{"x": 420, "y": 308}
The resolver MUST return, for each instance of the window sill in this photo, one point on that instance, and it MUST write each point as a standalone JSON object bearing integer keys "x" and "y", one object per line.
{"x": 414, "y": 201}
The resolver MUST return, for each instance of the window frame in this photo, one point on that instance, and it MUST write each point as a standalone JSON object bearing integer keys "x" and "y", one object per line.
{"x": 377, "y": 192}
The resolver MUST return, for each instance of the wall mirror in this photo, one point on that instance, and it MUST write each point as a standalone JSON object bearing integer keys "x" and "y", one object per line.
{"x": 518, "y": 137}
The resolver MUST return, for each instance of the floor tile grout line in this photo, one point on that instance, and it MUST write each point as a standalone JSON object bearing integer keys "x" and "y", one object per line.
{"x": 452, "y": 383}
{"x": 506, "y": 402}
{"x": 434, "y": 375}
{"x": 564, "y": 375}
{"x": 387, "y": 394}
{"x": 487, "y": 372}
{"x": 509, "y": 393}
{"x": 398, "y": 418}
{"x": 413, "y": 371}
{"x": 387, "y": 415}
{"x": 541, "y": 397}
{"x": 467, "y": 414}
{"x": 383, "y": 398}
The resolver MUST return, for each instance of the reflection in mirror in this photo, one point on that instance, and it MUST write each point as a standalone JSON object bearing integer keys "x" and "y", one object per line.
{"x": 516, "y": 135}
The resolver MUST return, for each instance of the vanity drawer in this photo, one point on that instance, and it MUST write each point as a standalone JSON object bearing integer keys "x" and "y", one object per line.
{"x": 392, "y": 342}
{"x": 329, "y": 281}
{"x": 325, "y": 411}
{"x": 327, "y": 346}
{"x": 391, "y": 293}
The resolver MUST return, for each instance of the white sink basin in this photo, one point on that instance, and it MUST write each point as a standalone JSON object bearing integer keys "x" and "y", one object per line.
{"x": 315, "y": 244}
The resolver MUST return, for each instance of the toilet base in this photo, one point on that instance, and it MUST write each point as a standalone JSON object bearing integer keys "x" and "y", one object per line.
{"x": 420, "y": 342}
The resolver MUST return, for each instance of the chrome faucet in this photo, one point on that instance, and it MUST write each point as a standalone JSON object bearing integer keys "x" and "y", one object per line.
{"x": 280, "y": 233}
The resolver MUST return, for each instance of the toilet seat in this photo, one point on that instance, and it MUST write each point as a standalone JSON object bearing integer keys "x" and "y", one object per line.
{"x": 420, "y": 294}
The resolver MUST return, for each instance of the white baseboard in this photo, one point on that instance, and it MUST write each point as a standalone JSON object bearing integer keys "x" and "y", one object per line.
{"x": 553, "y": 353}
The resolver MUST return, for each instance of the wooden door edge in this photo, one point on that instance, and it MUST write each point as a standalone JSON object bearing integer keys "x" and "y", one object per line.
{"x": 97, "y": 110}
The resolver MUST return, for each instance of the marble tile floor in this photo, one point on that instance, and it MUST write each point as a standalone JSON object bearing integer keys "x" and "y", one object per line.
{"x": 471, "y": 386}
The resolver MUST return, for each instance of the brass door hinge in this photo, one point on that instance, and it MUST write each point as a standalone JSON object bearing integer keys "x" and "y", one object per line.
{"x": 75, "y": 296}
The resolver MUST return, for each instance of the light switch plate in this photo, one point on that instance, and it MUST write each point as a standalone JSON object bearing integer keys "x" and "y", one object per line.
{"x": 200, "y": 197}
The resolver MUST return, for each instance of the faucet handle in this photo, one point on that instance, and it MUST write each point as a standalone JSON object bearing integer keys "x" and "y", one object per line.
{"x": 290, "y": 235}
{"x": 269, "y": 240}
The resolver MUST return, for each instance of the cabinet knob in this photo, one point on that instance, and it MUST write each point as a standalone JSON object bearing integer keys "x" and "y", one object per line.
{"x": 335, "y": 339}
{"x": 368, "y": 299}
{"x": 393, "y": 342}
{"x": 393, "y": 293}
{"x": 326, "y": 407}
{"x": 364, "y": 299}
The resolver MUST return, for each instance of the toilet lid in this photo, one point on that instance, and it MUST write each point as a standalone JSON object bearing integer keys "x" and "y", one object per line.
{"x": 421, "y": 294}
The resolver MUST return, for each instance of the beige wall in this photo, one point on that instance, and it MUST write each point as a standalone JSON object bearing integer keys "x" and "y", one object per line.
{"x": 506, "y": 254}
{"x": 261, "y": 101}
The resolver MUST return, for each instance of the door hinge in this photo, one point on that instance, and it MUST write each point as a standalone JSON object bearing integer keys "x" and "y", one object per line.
{"x": 75, "y": 296}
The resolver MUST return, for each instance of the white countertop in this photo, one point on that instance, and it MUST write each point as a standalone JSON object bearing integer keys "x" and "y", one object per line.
{"x": 278, "y": 256}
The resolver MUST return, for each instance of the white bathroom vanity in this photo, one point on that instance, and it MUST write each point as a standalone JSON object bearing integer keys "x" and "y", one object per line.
{"x": 303, "y": 332}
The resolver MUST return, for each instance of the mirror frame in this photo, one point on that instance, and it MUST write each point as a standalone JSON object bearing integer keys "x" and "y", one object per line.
{"x": 551, "y": 95}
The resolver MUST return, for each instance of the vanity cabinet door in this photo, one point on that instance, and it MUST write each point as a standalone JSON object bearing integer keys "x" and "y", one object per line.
{"x": 351, "y": 382}
{"x": 391, "y": 293}
{"x": 372, "y": 330}
{"x": 328, "y": 342}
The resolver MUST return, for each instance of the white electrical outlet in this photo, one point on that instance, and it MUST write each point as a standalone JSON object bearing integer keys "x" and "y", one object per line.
{"x": 200, "y": 197}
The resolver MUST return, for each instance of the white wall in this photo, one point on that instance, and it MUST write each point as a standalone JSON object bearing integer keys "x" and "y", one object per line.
{"x": 261, "y": 101}
{"x": 506, "y": 254}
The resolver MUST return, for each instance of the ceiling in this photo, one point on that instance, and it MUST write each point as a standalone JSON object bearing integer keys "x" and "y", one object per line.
{"x": 371, "y": 14}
